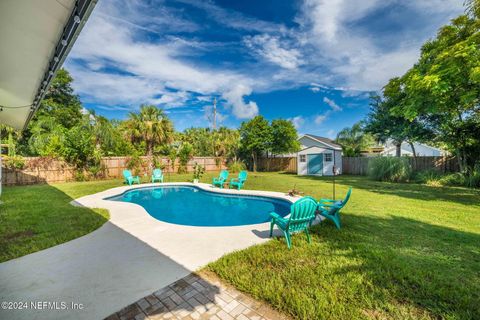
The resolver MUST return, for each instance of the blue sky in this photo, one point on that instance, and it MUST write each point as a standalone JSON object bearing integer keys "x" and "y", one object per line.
{"x": 313, "y": 61}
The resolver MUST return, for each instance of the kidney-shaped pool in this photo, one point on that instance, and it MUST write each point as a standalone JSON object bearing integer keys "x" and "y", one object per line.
{"x": 193, "y": 206}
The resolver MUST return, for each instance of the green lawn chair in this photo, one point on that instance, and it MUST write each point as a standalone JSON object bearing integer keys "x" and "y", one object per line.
{"x": 222, "y": 178}
{"x": 238, "y": 182}
{"x": 330, "y": 209}
{"x": 157, "y": 175}
{"x": 129, "y": 178}
{"x": 302, "y": 214}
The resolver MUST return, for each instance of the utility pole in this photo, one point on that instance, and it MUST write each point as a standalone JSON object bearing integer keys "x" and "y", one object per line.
{"x": 214, "y": 113}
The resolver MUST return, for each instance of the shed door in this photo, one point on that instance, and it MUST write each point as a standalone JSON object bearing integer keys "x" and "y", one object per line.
{"x": 315, "y": 163}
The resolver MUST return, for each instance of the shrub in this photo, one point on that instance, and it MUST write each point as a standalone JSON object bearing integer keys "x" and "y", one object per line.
{"x": 15, "y": 162}
{"x": 198, "y": 171}
{"x": 185, "y": 154}
{"x": 429, "y": 177}
{"x": 391, "y": 169}
{"x": 236, "y": 166}
{"x": 453, "y": 179}
{"x": 135, "y": 163}
{"x": 473, "y": 180}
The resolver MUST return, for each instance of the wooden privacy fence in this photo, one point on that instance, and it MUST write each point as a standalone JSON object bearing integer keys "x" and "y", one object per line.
{"x": 288, "y": 164}
{"x": 42, "y": 170}
{"x": 359, "y": 165}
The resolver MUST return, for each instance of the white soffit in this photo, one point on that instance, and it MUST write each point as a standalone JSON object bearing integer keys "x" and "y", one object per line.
{"x": 31, "y": 32}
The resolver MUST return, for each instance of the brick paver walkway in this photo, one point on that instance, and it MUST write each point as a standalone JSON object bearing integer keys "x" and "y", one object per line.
{"x": 197, "y": 296}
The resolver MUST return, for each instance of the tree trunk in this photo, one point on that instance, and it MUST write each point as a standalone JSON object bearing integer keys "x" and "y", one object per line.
{"x": 414, "y": 154}
{"x": 254, "y": 158}
{"x": 398, "y": 152}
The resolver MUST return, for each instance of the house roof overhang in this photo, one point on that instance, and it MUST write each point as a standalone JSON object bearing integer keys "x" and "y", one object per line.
{"x": 35, "y": 38}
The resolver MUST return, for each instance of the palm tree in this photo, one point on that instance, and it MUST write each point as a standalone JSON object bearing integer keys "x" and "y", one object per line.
{"x": 150, "y": 125}
{"x": 226, "y": 143}
{"x": 353, "y": 140}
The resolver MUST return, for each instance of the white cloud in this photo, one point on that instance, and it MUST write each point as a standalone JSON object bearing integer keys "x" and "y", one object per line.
{"x": 331, "y": 134}
{"x": 235, "y": 100}
{"x": 271, "y": 48}
{"x": 148, "y": 70}
{"x": 327, "y": 51}
{"x": 319, "y": 119}
{"x": 297, "y": 121}
{"x": 332, "y": 104}
{"x": 354, "y": 57}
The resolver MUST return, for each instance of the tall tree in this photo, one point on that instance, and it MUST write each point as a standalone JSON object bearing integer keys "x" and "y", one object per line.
{"x": 353, "y": 140}
{"x": 284, "y": 137}
{"x": 60, "y": 102}
{"x": 255, "y": 138}
{"x": 151, "y": 125}
{"x": 385, "y": 125}
{"x": 444, "y": 87}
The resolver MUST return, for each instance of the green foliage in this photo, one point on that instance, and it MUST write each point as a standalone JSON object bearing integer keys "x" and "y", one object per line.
{"x": 47, "y": 137}
{"x": 185, "y": 154}
{"x": 430, "y": 177}
{"x": 151, "y": 126}
{"x": 354, "y": 140}
{"x": 255, "y": 138}
{"x": 198, "y": 171}
{"x": 60, "y": 102}
{"x": 434, "y": 178}
{"x": 284, "y": 137}
{"x": 384, "y": 124}
{"x": 135, "y": 163}
{"x": 443, "y": 88}
{"x": 14, "y": 162}
{"x": 79, "y": 147}
{"x": 391, "y": 169}
{"x": 236, "y": 166}
{"x": 12, "y": 135}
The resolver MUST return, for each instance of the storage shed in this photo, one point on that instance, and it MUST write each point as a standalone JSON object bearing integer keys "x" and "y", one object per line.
{"x": 318, "y": 156}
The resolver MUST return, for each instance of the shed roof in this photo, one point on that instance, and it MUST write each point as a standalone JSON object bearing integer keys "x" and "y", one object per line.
{"x": 324, "y": 140}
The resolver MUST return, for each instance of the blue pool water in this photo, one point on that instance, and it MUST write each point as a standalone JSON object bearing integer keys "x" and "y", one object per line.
{"x": 196, "y": 207}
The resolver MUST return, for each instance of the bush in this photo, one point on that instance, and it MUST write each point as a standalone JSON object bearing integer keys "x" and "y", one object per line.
{"x": 453, "y": 179}
{"x": 15, "y": 162}
{"x": 198, "y": 171}
{"x": 236, "y": 166}
{"x": 473, "y": 180}
{"x": 391, "y": 169}
{"x": 429, "y": 177}
{"x": 185, "y": 154}
{"x": 135, "y": 163}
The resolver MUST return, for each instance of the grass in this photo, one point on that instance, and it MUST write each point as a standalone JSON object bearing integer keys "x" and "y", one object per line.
{"x": 37, "y": 217}
{"x": 406, "y": 251}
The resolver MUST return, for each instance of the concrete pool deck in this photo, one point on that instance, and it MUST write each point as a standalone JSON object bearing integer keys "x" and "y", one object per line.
{"x": 129, "y": 257}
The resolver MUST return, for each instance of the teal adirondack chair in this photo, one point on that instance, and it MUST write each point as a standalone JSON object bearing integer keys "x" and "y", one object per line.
{"x": 157, "y": 175}
{"x": 222, "y": 178}
{"x": 238, "y": 182}
{"x": 129, "y": 178}
{"x": 330, "y": 209}
{"x": 302, "y": 214}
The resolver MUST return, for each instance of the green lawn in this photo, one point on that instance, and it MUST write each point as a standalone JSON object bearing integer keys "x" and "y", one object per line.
{"x": 405, "y": 251}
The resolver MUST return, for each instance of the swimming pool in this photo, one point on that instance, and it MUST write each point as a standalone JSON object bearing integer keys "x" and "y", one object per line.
{"x": 193, "y": 206}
